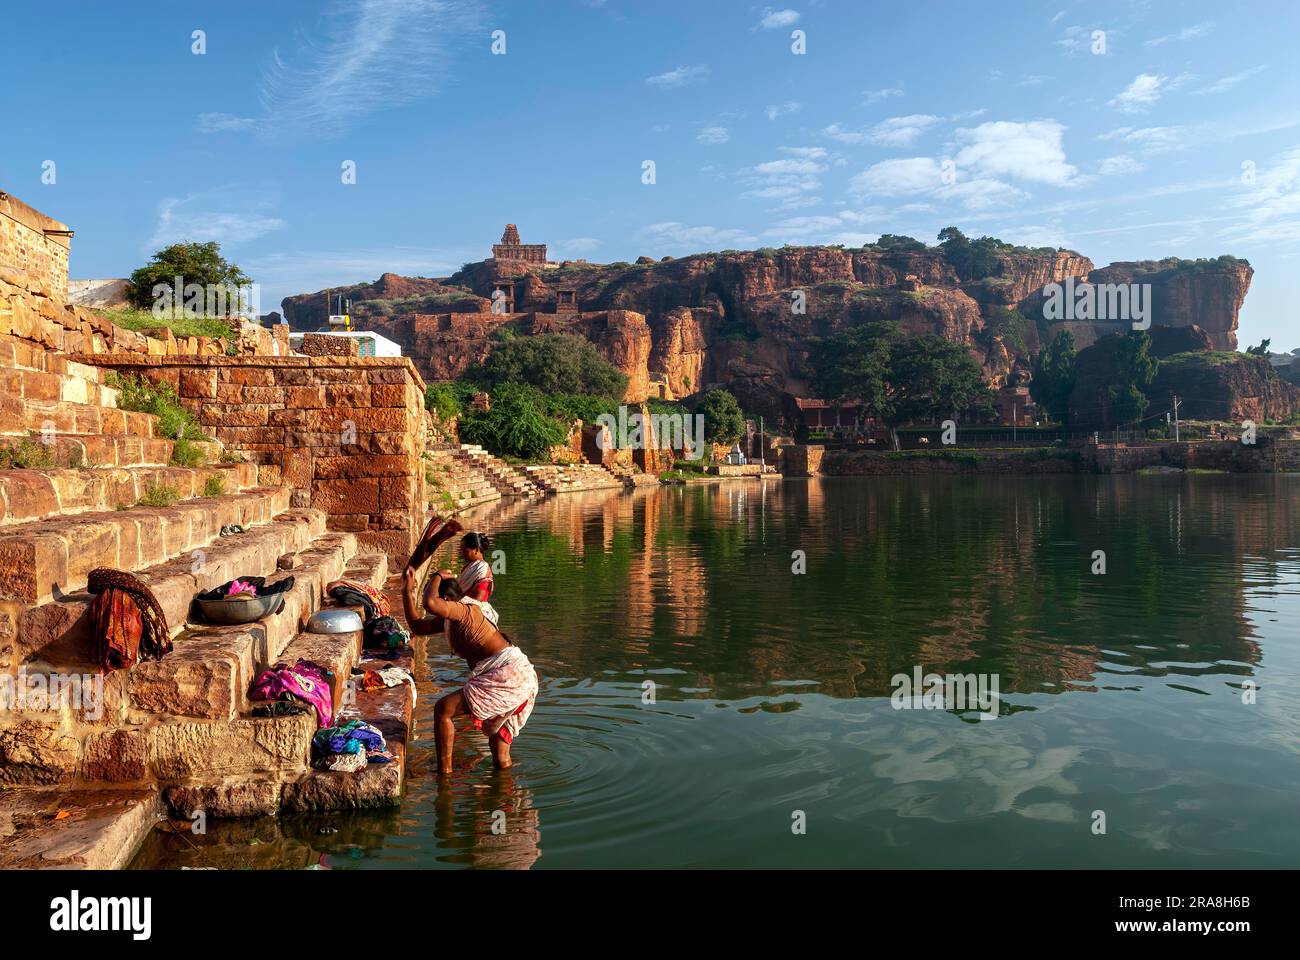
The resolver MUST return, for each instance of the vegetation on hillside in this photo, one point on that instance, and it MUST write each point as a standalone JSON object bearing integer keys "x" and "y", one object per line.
{"x": 900, "y": 379}
{"x": 200, "y": 263}
{"x": 1054, "y": 376}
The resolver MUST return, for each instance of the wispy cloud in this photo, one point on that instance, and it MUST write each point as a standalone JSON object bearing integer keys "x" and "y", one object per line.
{"x": 679, "y": 77}
{"x": 776, "y": 19}
{"x": 371, "y": 55}
{"x": 884, "y": 93}
{"x": 894, "y": 132}
{"x": 776, "y": 110}
{"x": 1270, "y": 206}
{"x": 1224, "y": 84}
{"x": 674, "y": 235}
{"x": 224, "y": 123}
{"x": 1121, "y": 164}
{"x": 1187, "y": 33}
{"x": 713, "y": 135}
{"x": 229, "y": 215}
{"x": 790, "y": 180}
{"x": 1145, "y": 90}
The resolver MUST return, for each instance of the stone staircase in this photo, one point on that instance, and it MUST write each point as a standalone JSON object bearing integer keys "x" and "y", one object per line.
{"x": 573, "y": 477}
{"x": 84, "y": 780}
{"x": 469, "y": 475}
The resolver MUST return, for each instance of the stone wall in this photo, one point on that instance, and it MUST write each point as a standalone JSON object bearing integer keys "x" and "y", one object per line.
{"x": 347, "y": 433}
{"x": 34, "y": 244}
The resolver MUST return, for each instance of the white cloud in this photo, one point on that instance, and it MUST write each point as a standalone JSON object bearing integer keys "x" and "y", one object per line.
{"x": 1032, "y": 80}
{"x": 1075, "y": 40}
{"x": 678, "y": 77}
{"x": 713, "y": 135}
{"x": 1269, "y": 207}
{"x": 1187, "y": 33}
{"x": 1145, "y": 90}
{"x": 791, "y": 180}
{"x": 1121, "y": 164}
{"x": 776, "y": 19}
{"x": 370, "y": 56}
{"x": 783, "y": 109}
{"x": 1149, "y": 139}
{"x": 892, "y": 178}
{"x": 674, "y": 235}
{"x": 223, "y": 123}
{"x": 1027, "y": 151}
{"x": 1227, "y": 83}
{"x": 227, "y": 215}
{"x": 894, "y": 132}
{"x": 873, "y": 96}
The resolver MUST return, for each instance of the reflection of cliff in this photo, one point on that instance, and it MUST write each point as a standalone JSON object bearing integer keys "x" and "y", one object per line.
{"x": 954, "y": 576}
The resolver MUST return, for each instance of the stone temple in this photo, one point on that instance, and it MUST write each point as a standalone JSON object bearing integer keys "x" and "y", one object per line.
{"x": 511, "y": 249}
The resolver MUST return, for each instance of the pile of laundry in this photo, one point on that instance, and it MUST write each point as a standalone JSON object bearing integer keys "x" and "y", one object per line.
{"x": 368, "y": 678}
{"x": 355, "y": 593}
{"x": 349, "y": 747}
{"x": 303, "y": 683}
{"x": 386, "y": 635}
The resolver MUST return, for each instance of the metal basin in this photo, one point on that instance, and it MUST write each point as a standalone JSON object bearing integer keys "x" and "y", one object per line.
{"x": 240, "y": 611}
{"x": 334, "y": 621}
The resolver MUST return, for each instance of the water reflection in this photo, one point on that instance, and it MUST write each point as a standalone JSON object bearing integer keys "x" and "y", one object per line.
{"x": 695, "y": 689}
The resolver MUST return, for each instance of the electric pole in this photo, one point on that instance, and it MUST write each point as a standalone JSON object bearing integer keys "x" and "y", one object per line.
{"x": 1176, "y": 434}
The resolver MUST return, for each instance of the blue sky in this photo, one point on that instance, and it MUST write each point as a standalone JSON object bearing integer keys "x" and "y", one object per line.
{"x": 1182, "y": 138}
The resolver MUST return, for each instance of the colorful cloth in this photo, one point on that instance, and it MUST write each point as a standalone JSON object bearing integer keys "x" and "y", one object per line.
{"x": 304, "y": 680}
{"x": 356, "y": 737}
{"x": 501, "y": 692}
{"x": 475, "y": 580}
{"x": 354, "y": 593}
{"x": 388, "y": 677}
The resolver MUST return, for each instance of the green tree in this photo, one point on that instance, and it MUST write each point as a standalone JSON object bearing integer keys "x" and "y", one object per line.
{"x": 516, "y": 424}
{"x": 1261, "y": 350}
{"x": 723, "y": 421}
{"x": 900, "y": 379}
{"x": 972, "y": 259}
{"x": 1054, "y": 377}
{"x": 553, "y": 363}
{"x": 199, "y": 263}
{"x": 898, "y": 241}
{"x": 1135, "y": 369}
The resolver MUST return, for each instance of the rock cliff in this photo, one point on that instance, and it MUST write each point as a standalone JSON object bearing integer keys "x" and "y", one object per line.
{"x": 745, "y": 318}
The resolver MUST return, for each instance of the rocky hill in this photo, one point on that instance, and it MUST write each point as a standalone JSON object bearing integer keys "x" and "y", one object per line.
{"x": 677, "y": 326}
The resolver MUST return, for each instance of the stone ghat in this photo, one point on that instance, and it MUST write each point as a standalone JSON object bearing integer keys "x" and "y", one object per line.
{"x": 177, "y": 735}
{"x": 346, "y": 434}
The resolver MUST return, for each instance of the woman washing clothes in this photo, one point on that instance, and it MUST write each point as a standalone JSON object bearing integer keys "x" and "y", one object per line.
{"x": 502, "y": 686}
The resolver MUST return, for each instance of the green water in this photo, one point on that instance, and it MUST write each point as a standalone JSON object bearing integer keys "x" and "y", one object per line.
{"x": 1120, "y": 693}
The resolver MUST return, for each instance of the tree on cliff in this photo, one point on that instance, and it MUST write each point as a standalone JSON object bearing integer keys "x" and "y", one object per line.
{"x": 1054, "y": 376}
{"x": 553, "y": 363}
{"x": 972, "y": 259}
{"x": 723, "y": 421}
{"x": 900, "y": 379}
{"x": 194, "y": 263}
{"x": 1135, "y": 369}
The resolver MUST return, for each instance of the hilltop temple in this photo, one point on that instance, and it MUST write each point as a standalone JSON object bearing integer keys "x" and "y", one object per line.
{"x": 511, "y": 249}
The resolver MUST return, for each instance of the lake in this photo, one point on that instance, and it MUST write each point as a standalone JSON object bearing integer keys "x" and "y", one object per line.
{"x": 716, "y": 668}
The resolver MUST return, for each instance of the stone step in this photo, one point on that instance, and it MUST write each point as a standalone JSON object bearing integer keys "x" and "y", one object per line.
{"x": 21, "y": 354}
{"x": 20, "y": 416}
{"x": 57, "y": 635}
{"x": 42, "y": 560}
{"x": 61, "y": 829}
{"x": 72, "y": 386}
{"x": 40, "y": 494}
{"x": 84, "y": 450}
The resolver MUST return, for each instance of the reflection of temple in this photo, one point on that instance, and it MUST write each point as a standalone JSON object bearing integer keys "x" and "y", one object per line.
{"x": 511, "y": 249}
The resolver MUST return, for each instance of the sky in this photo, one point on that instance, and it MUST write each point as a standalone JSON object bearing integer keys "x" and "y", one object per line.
{"x": 1126, "y": 131}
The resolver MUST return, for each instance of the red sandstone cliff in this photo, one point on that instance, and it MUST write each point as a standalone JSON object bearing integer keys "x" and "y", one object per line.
{"x": 734, "y": 317}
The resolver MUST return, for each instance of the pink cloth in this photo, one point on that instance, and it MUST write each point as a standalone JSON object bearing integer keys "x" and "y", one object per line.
{"x": 501, "y": 692}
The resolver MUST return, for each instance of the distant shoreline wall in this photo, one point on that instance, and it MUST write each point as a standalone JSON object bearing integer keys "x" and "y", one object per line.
{"x": 1265, "y": 456}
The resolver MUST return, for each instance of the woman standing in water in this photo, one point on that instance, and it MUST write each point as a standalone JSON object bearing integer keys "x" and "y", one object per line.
{"x": 502, "y": 686}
